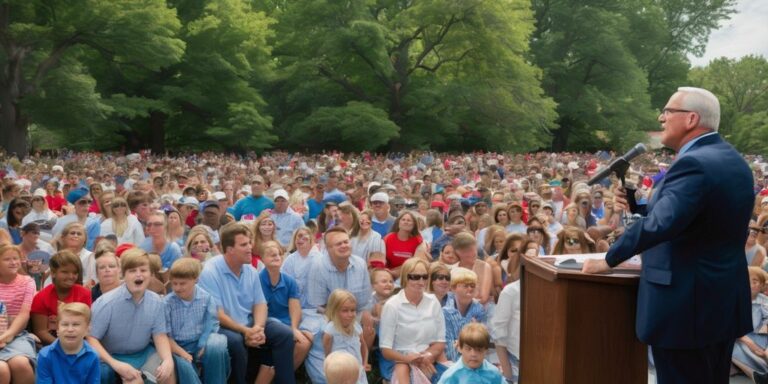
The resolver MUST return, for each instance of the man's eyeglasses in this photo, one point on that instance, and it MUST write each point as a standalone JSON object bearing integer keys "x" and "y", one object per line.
{"x": 669, "y": 111}
{"x": 416, "y": 276}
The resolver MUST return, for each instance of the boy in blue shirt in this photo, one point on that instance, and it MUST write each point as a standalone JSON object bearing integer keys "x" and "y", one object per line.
{"x": 474, "y": 341}
{"x": 70, "y": 359}
{"x": 193, "y": 322}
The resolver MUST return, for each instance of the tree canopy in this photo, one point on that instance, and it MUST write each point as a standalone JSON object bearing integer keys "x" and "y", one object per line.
{"x": 241, "y": 75}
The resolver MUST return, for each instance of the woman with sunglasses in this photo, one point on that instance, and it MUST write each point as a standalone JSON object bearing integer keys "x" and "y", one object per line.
{"x": 158, "y": 243}
{"x": 122, "y": 224}
{"x": 572, "y": 241}
{"x": 439, "y": 281}
{"x": 17, "y": 209}
{"x": 412, "y": 326}
{"x": 82, "y": 201}
{"x": 754, "y": 251}
{"x": 105, "y": 201}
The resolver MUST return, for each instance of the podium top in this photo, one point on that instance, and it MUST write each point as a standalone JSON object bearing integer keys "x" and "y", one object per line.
{"x": 545, "y": 268}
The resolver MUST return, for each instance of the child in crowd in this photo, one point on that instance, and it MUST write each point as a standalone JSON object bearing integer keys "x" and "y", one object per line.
{"x": 474, "y": 341}
{"x": 17, "y": 347}
{"x": 750, "y": 350}
{"x": 70, "y": 360}
{"x": 130, "y": 337}
{"x": 343, "y": 332}
{"x": 341, "y": 368}
{"x": 193, "y": 322}
{"x": 283, "y": 298}
{"x": 461, "y": 308}
{"x": 383, "y": 286}
{"x": 66, "y": 273}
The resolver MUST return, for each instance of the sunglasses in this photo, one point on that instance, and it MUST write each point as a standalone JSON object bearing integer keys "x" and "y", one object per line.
{"x": 439, "y": 276}
{"x": 536, "y": 230}
{"x": 119, "y": 205}
{"x": 514, "y": 250}
{"x": 571, "y": 241}
{"x": 416, "y": 276}
{"x": 84, "y": 202}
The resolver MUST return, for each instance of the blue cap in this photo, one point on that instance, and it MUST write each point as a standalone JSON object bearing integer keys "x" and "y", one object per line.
{"x": 76, "y": 194}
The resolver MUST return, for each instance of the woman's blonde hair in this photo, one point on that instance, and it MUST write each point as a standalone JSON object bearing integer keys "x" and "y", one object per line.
{"x": 332, "y": 309}
{"x": 59, "y": 241}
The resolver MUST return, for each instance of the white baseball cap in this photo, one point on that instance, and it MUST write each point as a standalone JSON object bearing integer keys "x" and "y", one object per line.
{"x": 380, "y": 196}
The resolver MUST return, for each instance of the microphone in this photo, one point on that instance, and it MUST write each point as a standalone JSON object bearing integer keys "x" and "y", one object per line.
{"x": 620, "y": 164}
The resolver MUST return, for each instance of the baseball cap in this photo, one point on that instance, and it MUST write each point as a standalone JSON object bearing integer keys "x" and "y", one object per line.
{"x": 219, "y": 196}
{"x": 380, "y": 196}
{"x": 280, "y": 193}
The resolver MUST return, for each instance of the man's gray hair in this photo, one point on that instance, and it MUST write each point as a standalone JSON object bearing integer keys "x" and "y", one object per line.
{"x": 704, "y": 103}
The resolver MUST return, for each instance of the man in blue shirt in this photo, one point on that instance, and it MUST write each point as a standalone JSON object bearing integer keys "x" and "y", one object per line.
{"x": 316, "y": 204}
{"x": 286, "y": 220}
{"x": 251, "y": 206}
{"x": 236, "y": 288}
{"x": 382, "y": 221}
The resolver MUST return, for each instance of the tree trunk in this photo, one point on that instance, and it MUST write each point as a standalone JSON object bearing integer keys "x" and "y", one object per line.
{"x": 560, "y": 139}
{"x": 157, "y": 132}
{"x": 13, "y": 128}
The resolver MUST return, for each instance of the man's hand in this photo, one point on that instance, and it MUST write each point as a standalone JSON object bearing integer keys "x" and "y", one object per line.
{"x": 164, "y": 371}
{"x": 186, "y": 356}
{"x": 595, "y": 266}
{"x": 620, "y": 200}
{"x": 126, "y": 371}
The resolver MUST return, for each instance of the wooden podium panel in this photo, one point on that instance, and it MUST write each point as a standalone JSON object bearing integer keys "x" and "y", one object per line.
{"x": 578, "y": 328}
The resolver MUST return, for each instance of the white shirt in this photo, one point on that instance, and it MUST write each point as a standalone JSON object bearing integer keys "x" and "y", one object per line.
{"x": 134, "y": 232}
{"x": 505, "y": 324}
{"x": 44, "y": 215}
{"x": 406, "y": 327}
{"x": 363, "y": 247}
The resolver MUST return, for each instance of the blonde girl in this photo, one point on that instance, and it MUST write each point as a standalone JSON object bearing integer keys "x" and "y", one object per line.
{"x": 343, "y": 332}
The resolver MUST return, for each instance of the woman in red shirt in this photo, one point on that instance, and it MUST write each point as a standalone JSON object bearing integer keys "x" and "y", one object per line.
{"x": 404, "y": 242}
{"x": 54, "y": 199}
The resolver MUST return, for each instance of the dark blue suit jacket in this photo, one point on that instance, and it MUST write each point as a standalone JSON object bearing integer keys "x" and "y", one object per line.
{"x": 694, "y": 287}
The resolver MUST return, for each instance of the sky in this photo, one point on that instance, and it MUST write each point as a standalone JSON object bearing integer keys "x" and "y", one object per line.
{"x": 745, "y": 33}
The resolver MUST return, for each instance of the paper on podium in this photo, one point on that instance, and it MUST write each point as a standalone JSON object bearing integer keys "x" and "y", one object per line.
{"x": 577, "y": 261}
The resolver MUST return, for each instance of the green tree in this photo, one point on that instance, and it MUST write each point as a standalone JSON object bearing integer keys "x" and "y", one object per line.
{"x": 742, "y": 88}
{"x": 43, "y": 43}
{"x": 608, "y": 63}
{"x": 448, "y": 74}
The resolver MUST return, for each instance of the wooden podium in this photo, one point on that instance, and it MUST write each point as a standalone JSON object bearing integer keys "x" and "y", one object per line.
{"x": 578, "y": 328}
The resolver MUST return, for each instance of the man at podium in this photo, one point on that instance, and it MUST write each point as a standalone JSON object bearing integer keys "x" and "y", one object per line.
{"x": 693, "y": 298}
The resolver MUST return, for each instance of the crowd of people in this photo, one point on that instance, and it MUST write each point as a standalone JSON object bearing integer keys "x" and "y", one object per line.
{"x": 224, "y": 268}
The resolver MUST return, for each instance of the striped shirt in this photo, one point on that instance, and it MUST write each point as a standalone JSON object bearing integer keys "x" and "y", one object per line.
{"x": 191, "y": 320}
{"x": 325, "y": 277}
{"x": 17, "y": 295}
{"x": 454, "y": 321}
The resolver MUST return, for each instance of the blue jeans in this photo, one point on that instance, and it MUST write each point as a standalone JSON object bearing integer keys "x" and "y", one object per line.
{"x": 246, "y": 361}
{"x": 215, "y": 360}
{"x": 185, "y": 372}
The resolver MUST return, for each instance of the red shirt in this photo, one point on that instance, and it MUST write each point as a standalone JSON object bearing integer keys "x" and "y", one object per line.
{"x": 54, "y": 202}
{"x": 399, "y": 251}
{"x": 46, "y": 303}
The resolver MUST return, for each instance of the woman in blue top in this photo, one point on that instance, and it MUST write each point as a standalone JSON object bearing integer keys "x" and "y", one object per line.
{"x": 282, "y": 295}
{"x": 157, "y": 242}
